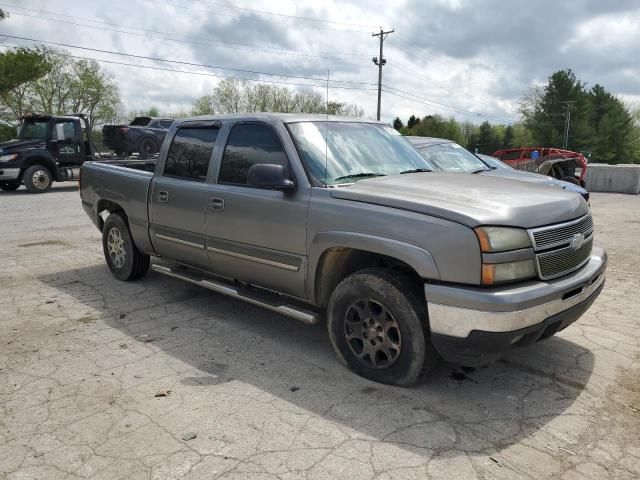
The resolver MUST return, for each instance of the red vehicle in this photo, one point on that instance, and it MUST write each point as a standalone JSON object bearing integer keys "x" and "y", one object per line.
{"x": 554, "y": 162}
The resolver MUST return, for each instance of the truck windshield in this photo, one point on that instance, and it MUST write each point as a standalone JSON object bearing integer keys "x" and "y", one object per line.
{"x": 451, "y": 157}
{"x": 337, "y": 153}
{"x": 33, "y": 129}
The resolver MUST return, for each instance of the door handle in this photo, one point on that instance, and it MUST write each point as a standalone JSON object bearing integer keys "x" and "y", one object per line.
{"x": 162, "y": 196}
{"x": 216, "y": 203}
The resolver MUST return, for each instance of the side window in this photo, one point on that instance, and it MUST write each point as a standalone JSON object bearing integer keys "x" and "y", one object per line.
{"x": 189, "y": 153}
{"x": 64, "y": 130}
{"x": 166, "y": 123}
{"x": 249, "y": 144}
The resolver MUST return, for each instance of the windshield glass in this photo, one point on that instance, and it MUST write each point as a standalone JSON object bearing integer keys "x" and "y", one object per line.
{"x": 353, "y": 151}
{"x": 34, "y": 129}
{"x": 451, "y": 157}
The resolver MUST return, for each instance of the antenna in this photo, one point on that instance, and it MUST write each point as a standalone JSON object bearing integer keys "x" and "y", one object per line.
{"x": 326, "y": 132}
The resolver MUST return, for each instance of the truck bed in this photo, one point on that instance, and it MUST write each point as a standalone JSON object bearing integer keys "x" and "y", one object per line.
{"x": 125, "y": 182}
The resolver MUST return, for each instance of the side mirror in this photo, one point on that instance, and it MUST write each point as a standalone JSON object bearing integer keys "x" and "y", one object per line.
{"x": 271, "y": 176}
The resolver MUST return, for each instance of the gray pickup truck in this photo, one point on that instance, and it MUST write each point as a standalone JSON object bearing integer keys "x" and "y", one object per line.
{"x": 318, "y": 217}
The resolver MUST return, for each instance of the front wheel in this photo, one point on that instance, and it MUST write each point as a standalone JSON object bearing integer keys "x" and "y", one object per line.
{"x": 10, "y": 186}
{"x": 37, "y": 179}
{"x": 123, "y": 258}
{"x": 378, "y": 327}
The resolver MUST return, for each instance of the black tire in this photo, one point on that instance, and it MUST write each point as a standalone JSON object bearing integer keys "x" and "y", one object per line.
{"x": 148, "y": 146}
{"x": 125, "y": 261}
{"x": 10, "y": 186}
{"x": 37, "y": 179}
{"x": 573, "y": 180}
{"x": 379, "y": 296}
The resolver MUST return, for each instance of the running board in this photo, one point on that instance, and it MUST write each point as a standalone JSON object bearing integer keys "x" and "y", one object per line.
{"x": 266, "y": 300}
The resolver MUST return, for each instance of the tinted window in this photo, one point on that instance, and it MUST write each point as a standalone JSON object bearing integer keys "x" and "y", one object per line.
{"x": 249, "y": 145}
{"x": 190, "y": 152}
{"x": 166, "y": 123}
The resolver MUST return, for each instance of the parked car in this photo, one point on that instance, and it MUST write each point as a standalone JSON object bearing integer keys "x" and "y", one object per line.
{"x": 143, "y": 135}
{"x": 312, "y": 216}
{"x": 501, "y": 169}
{"x": 448, "y": 156}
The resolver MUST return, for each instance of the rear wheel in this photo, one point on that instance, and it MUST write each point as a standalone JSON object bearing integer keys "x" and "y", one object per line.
{"x": 37, "y": 179}
{"x": 378, "y": 327}
{"x": 10, "y": 186}
{"x": 123, "y": 258}
{"x": 148, "y": 146}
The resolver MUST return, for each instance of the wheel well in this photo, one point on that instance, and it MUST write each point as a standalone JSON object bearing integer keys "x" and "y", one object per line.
{"x": 106, "y": 208}
{"x": 337, "y": 263}
{"x": 44, "y": 161}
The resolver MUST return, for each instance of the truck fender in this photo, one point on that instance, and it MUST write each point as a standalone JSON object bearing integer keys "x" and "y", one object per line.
{"x": 40, "y": 158}
{"x": 418, "y": 258}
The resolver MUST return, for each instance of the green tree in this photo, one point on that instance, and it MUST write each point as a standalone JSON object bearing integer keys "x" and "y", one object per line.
{"x": 507, "y": 140}
{"x": 153, "y": 112}
{"x": 69, "y": 86}
{"x": 544, "y": 112}
{"x": 613, "y": 125}
{"x": 397, "y": 124}
{"x": 20, "y": 66}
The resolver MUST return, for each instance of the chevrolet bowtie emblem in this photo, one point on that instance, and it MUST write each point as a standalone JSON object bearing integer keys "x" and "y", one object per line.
{"x": 577, "y": 241}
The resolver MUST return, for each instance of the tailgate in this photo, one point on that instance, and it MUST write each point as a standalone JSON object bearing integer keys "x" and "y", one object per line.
{"x": 113, "y": 134}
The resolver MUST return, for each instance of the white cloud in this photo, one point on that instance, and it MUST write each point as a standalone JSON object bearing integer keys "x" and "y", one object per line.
{"x": 477, "y": 56}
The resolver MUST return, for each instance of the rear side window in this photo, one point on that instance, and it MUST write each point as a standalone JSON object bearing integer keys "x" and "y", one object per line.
{"x": 166, "y": 123}
{"x": 189, "y": 153}
{"x": 249, "y": 144}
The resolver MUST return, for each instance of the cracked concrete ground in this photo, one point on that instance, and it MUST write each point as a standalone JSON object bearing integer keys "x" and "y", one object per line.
{"x": 83, "y": 357}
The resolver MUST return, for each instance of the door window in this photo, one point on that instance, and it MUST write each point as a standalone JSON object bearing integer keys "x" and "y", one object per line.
{"x": 64, "y": 130}
{"x": 250, "y": 144}
{"x": 190, "y": 152}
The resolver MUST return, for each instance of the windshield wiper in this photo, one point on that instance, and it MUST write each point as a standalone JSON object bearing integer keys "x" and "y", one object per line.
{"x": 480, "y": 170}
{"x": 360, "y": 175}
{"x": 416, "y": 170}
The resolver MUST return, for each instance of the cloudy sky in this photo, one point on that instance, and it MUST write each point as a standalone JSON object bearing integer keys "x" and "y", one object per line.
{"x": 473, "y": 59}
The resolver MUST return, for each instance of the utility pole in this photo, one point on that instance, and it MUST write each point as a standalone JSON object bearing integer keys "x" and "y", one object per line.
{"x": 380, "y": 62}
{"x": 567, "y": 122}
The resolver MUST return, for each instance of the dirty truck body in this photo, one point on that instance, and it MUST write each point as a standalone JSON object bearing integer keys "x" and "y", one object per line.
{"x": 312, "y": 217}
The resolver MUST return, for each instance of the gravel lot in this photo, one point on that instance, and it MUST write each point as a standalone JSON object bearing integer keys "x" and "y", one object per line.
{"x": 250, "y": 394}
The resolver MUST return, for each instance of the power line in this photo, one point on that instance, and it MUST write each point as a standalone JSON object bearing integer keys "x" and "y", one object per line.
{"x": 179, "y": 62}
{"x": 434, "y": 103}
{"x": 184, "y": 38}
{"x": 206, "y": 74}
{"x": 218, "y": 12}
{"x": 311, "y": 19}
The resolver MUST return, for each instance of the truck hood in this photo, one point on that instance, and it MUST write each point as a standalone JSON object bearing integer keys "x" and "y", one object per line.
{"x": 534, "y": 178}
{"x": 17, "y": 145}
{"x": 468, "y": 199}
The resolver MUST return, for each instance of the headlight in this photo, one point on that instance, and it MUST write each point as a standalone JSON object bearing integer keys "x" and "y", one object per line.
{"x": 501, "y": 239}
{"x": 493, "y": 273}
{"x": 8, "y": 158}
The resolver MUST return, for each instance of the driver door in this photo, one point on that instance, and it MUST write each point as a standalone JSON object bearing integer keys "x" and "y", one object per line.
{"x": 65, "y": 142}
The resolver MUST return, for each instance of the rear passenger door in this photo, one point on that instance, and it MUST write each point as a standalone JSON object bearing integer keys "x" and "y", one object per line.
{"x": 179, "y": 195}
{"x": 257, "y": 235}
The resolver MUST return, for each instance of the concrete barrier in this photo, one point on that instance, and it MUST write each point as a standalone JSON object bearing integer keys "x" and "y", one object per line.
{"x": 623, "y": 178}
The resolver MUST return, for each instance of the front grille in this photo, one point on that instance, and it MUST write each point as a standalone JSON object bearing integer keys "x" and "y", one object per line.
{"x": 556, "y": 235}
{"x": 555, "y": 247}
{"x": 564, "y": 260}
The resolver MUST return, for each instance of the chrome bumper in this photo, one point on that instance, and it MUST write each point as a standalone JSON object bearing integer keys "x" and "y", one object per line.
{"x": 9, "y": 174}
{"x": 457, "y": 311}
